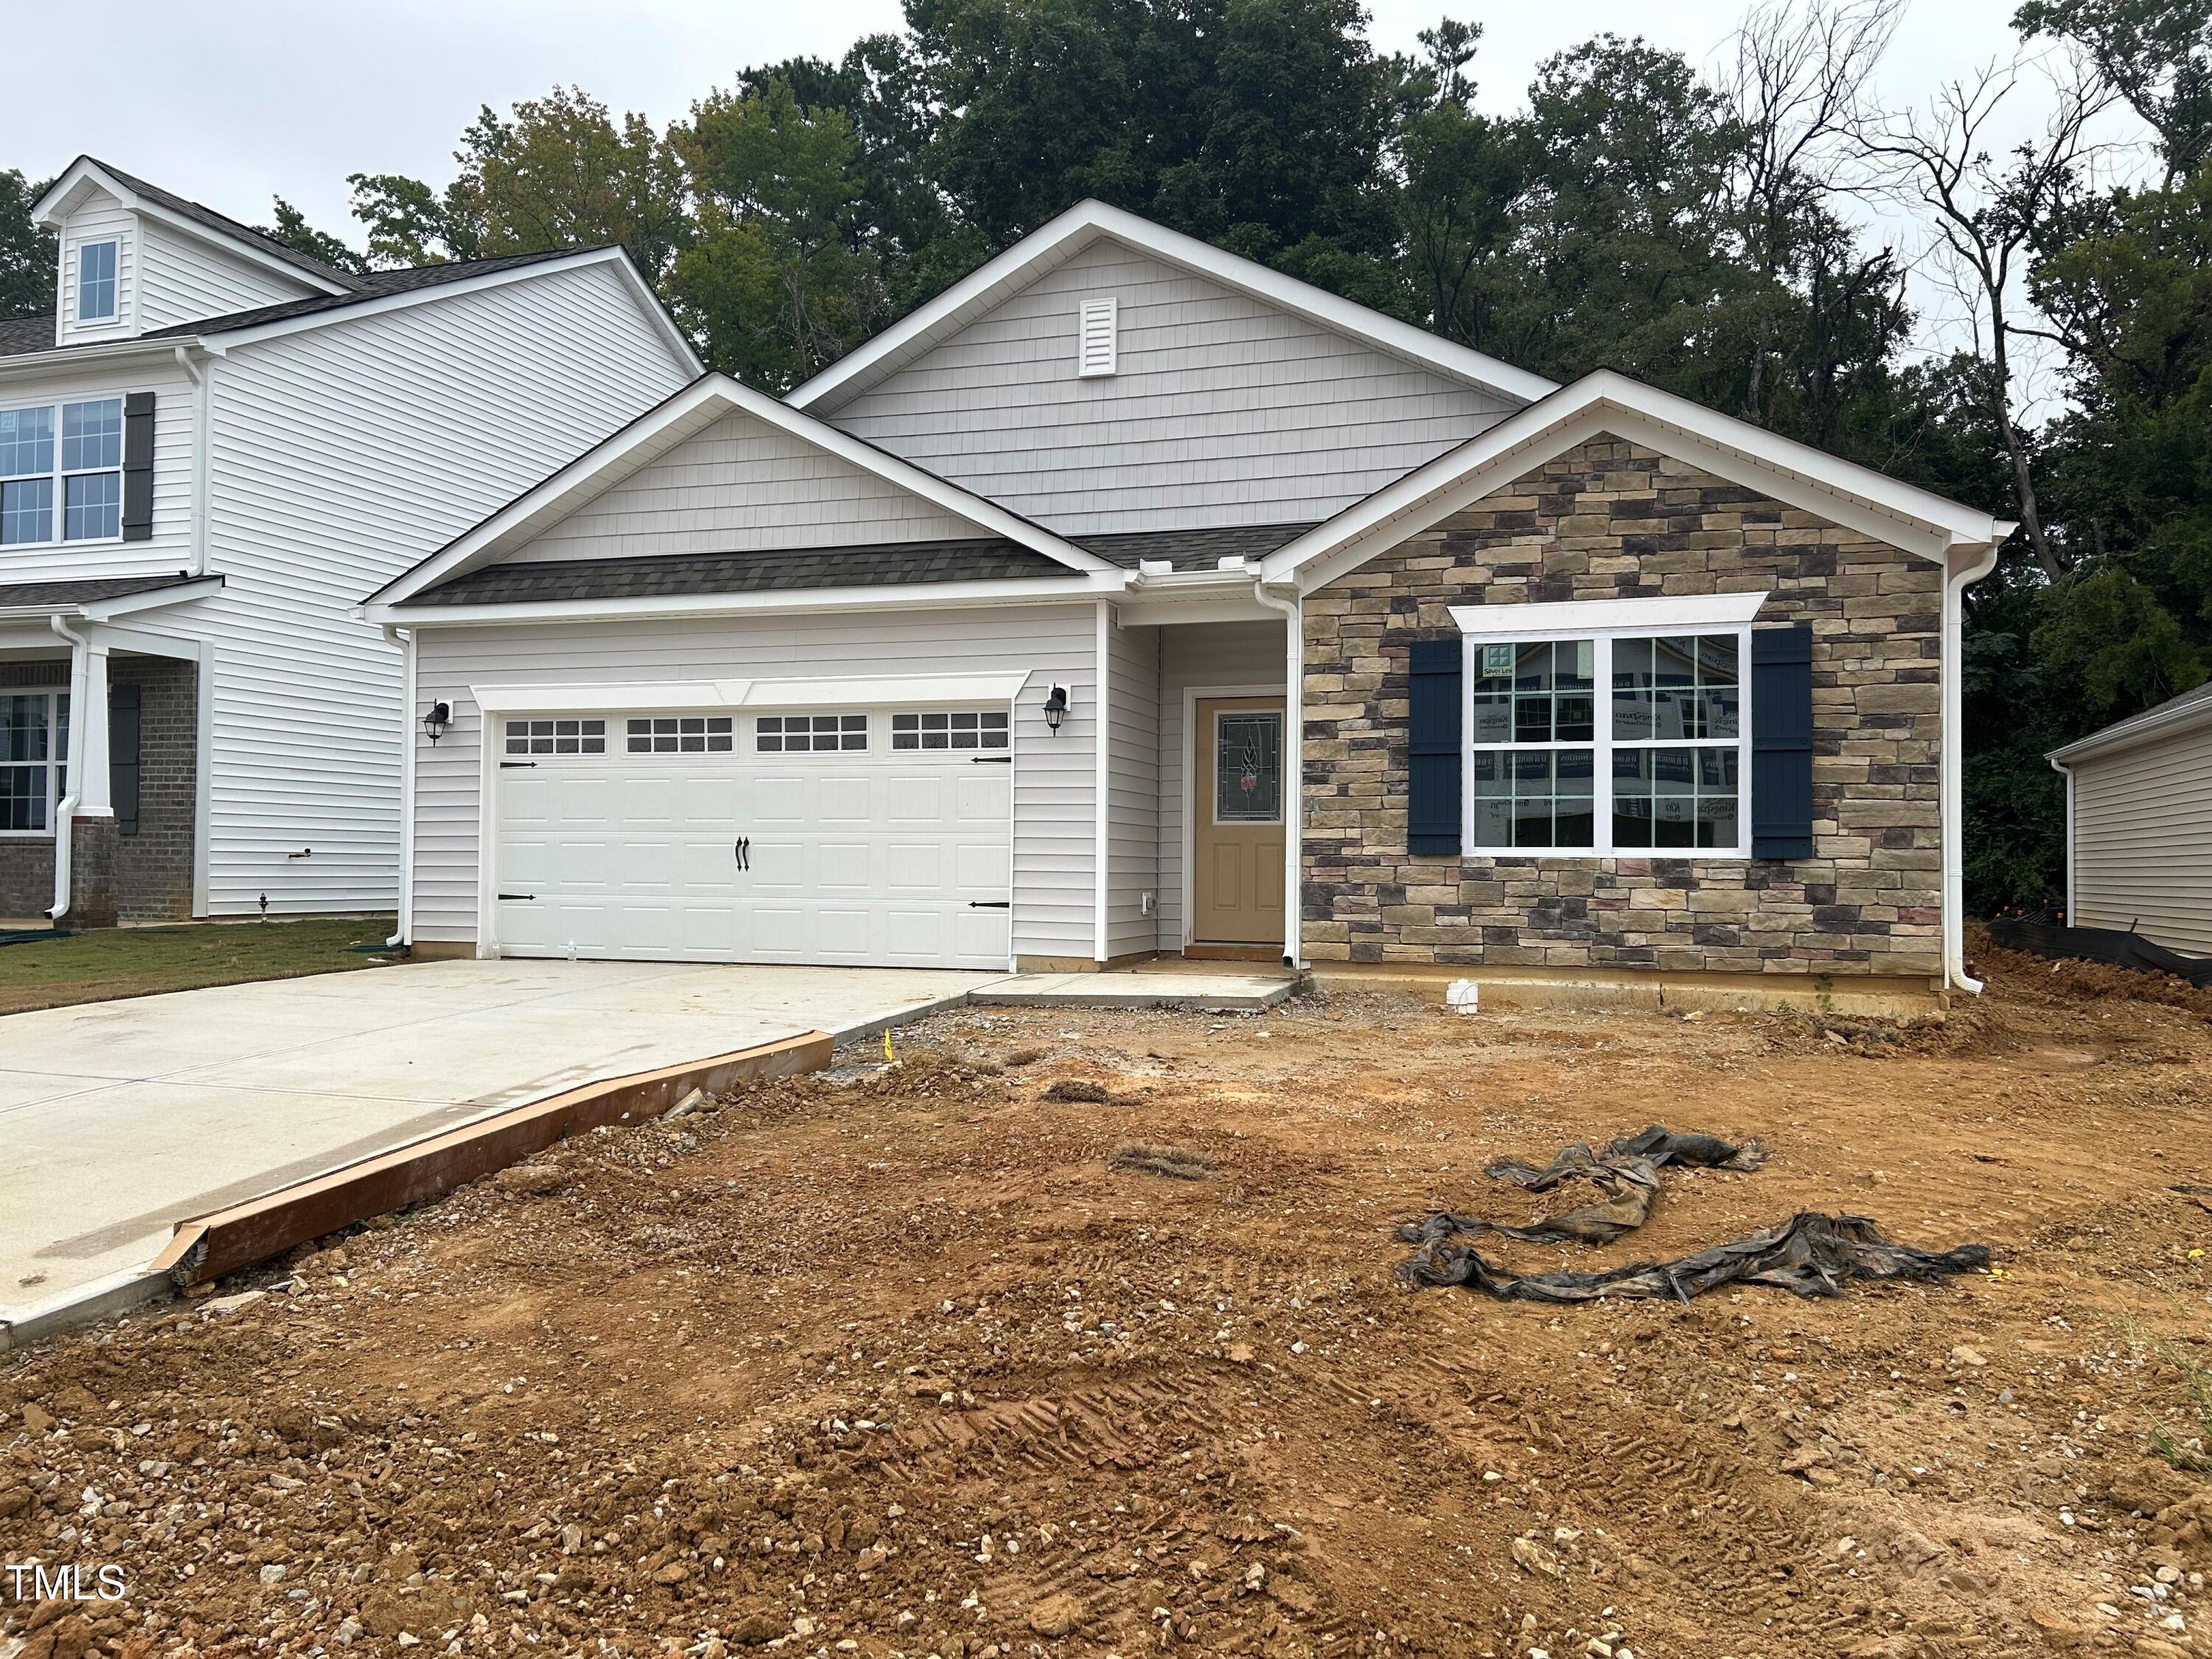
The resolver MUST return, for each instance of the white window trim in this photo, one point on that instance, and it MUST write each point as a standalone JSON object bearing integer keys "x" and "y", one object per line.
{"x": 57, "y": 758}
{"x": 60, "y": 475}
{"x": 1603, "y": 622}
{"x": 112, "y": 317}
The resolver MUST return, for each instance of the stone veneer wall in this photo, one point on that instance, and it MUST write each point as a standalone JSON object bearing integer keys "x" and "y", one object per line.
{"x": 1613, "y": 520}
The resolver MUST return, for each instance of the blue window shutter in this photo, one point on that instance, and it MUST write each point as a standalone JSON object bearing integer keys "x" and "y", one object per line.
{"x": 138, "y": 466}
{"x": 1432, "y": 756}
{"x": 1782, "y": 743}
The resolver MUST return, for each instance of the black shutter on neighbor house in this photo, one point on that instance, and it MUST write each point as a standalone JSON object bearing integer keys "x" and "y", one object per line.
{"x": 1432, "y": 756}
{"x": 1782, "y": 743}
{"x": 138, "y": 466}
{"x": 122, "y": 756}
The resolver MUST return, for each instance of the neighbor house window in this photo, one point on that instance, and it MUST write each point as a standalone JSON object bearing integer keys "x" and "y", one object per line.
{"x": 1609, "y": 737}
{"x": 33, "y": 760}
{"x": 96, "y": 283}
{"x": 969, "y": 729}
{"x": 61, "y": 472}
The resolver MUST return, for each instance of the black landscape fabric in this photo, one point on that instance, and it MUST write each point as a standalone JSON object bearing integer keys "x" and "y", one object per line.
{"x": 1811, "y": 1254}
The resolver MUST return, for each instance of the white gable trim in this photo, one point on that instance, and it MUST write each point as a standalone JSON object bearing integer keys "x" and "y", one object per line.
{"x": 1605, "y": 403}
{"x": 1045, "y": 249}
{"x": 661, "y": 430}
{"x": 84, "y": 170}
{"x": 1682, "y": 611}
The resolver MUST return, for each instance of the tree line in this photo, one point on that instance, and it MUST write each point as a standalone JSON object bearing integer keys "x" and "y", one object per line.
{"x": 1696, "y": 229}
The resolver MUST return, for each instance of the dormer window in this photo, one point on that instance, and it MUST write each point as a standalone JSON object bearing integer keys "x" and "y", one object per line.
{"x": 96, "y": 283}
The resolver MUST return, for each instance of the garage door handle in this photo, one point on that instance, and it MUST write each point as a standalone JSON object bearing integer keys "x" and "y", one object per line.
{"x": 742, "y": 851}
{"x": 990, "y": 760}
{"x": 506, "y": 766}
{"x": 518, "y": 895}
{"x": 990, "y": 904}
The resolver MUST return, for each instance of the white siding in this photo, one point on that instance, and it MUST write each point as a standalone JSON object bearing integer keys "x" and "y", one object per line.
{"x": 1054, "y": 839}
{"x": 101, "y": 219}
{"x": 743, "y": 486}
{"x": 1203, "y": 654}
{"x": 183, "y": 279}
{"x": 342, "y": 455}
{"x": 2143, "y": 841}
{"x": 1133, "y": 788}
{"x": 1222, "y": 410}
{"x": 170, "y": 548}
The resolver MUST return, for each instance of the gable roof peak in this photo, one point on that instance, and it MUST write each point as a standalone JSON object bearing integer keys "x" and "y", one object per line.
{"x": 1060, "y": 238}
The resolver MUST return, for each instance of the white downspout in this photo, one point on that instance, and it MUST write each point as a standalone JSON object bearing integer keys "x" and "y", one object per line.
{"x": 1292, "y": 606}
{"x": 405, "y": 639}
{"x": 65, "y": 811}
{"x": 1951, "y": 789}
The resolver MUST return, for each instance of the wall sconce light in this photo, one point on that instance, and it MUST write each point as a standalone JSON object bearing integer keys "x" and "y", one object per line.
{"x": 436, "y": 722}
{"x": 1056, "y": 708}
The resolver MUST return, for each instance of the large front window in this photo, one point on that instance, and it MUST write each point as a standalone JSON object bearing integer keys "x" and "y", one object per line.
{"x": 61, "y": 472}
{"x": 33, "y": 760}
{"x": 1617, "y": 739}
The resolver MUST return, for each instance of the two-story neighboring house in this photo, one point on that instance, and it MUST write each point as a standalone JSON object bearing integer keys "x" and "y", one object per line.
{"x": 208, "y": 454}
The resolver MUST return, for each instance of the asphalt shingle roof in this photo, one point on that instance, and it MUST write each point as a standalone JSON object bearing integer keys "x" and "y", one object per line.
{"x": 374, "y": 286}
{"x": 19, "y": 335}
{"x": 981, "y": 559}
{"x": 1192, "y": 550}
{"x": 200, "y": 213}
{"x": 85, "y": 590}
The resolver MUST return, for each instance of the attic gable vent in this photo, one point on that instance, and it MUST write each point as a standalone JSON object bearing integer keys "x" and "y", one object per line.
{"x": 1095, "y": 344}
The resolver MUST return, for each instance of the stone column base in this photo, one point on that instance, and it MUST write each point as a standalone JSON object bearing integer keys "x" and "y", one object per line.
{"x": 94, "y": 847}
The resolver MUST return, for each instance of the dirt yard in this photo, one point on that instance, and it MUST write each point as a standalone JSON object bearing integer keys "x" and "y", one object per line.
{"x": 895, "y": 1362}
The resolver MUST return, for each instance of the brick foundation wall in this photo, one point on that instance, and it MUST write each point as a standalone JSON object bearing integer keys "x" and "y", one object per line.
{"x": 1612, "y": 520}
{"x": 154, "y": 868}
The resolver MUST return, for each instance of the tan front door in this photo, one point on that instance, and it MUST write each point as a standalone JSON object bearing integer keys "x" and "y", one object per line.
{"x": 1237, "y": 869}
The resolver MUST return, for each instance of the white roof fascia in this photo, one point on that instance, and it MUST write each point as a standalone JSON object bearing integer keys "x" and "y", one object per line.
{"x": 229, "y": 338}
{"x": 1853, "y": 497}
{"x": 653, "y": 434}
{"x": 1061, "y": 238}
{"x": 28, "y": 364}
{"x": 85, "y": 169}
{"x": 124, "y": 605}
{"x": 1075, "y": 588}
{"x": 2169, "y": 720}
{"x": 845, "y": 691}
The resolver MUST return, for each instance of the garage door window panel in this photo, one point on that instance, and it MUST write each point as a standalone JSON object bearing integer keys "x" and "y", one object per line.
{"x": 680, "y": 734}
{"x": 556, "y": 736}
{"x": 795, "y": 734}
{"x": 971, "y": 728}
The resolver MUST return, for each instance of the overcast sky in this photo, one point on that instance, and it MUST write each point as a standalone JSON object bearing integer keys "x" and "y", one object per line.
{"x": 232, "y": 102}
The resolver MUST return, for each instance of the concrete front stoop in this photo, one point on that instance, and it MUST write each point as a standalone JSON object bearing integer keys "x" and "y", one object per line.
{"x": 1207, "y": 987}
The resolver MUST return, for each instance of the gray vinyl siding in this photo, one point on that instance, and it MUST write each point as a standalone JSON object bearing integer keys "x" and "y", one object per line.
{"x": 1133, "y": 795}
{"x": 740, "y": 486}
{"x": 2143, "y": 841}
{"x": 182, "y": 279}
{"x": 1055, "y": 839}
{"x": 1225, "y": 411}
{"x": 1202, "y": 653}
{"x": 342, "y": 455}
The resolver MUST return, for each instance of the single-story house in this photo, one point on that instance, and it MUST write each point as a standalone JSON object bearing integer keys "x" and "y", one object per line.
{"x": 1132, "y": 599}
{"x": 2139, "y": 824}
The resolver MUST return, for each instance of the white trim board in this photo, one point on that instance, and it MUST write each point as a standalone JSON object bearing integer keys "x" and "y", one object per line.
{"x": 1601, "y": 616}
{"x": 1610, "y": 404}
{"x": 1061, "y": 240}
{"x": 916, "y": 690}
{"x": 659, "y": 431}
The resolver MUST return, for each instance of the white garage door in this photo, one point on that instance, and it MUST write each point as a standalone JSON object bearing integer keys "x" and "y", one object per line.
{"x": 876, "y": 838}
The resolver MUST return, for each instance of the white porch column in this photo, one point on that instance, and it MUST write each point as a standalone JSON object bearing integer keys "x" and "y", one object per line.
{"x": 88, "y": 778}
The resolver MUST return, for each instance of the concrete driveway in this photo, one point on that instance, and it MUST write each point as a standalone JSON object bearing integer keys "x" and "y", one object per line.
{"x": 119, "y": 1118}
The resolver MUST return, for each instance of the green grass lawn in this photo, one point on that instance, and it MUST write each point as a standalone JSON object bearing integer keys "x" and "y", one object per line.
{"x": 135, "y": 962}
